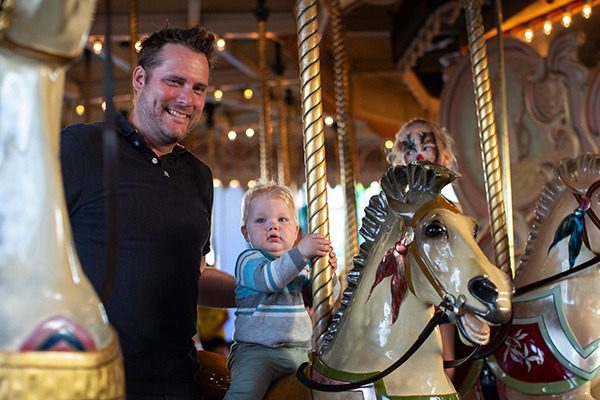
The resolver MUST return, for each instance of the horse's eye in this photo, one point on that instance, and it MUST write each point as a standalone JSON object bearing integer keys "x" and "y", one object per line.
{"x": 435, "y": 229}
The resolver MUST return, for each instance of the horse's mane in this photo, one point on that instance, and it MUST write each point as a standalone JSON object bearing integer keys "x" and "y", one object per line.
{"x": 569, "y": 171}
{"x": 402, "y": 187}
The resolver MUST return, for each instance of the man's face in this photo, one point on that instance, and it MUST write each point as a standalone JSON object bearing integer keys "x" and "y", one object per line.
{"x": 169, "y": 102}
{"x": 419, "y": 143}
{"x": 271, "y": 225}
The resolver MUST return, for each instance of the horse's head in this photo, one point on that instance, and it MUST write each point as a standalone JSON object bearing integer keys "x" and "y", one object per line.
{"x": 443, "y": 264}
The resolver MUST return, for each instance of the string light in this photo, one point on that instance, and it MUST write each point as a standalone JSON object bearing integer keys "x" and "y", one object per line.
{"x": 248, "y": 93}
{"x": 221, "y": 44}
{"x": 251, "y": 183}
{"x": 328, "y": 121}
{"x": 79, "y": 109}
{"x": 249, "y": 132}
{"x": 103, "y": 105}
{"x": 97, "y": 47}
{"x": 566, "y": 19}
{"x": 586, "y": 11}
{"x": 234, "y": 183}
{"x": 217, "y": 182}
{"x": 547, "y": 27}
{"x": 231, "y": 135}
{"x": 389, "y": 144}
{"x": 563, "y": 15}
{"x": 138, "y": 46}
{"x": 218, "y": 94}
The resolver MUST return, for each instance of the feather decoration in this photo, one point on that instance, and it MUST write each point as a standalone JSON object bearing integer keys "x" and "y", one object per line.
{"x": 571, "y": 225}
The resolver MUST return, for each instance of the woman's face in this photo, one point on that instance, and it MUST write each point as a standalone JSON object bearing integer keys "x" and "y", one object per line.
{"x": 418, "y": 143}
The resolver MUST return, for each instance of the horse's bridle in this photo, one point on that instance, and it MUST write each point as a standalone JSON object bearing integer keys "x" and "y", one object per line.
{"x": 447, "y": 306}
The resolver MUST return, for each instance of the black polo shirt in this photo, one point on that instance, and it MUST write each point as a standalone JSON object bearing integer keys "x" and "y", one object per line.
{"x": 164, "y": 229}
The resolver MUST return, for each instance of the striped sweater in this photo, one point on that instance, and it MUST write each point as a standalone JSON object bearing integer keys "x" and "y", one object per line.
{"x": 268, "y": 294}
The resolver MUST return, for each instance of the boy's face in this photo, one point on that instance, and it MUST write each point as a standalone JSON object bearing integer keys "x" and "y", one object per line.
{"x": 271, "y": 225}
{"x": 418, "y": 143}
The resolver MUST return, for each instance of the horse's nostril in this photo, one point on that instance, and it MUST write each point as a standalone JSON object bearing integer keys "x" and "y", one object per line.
{"x": 483, "y": 289}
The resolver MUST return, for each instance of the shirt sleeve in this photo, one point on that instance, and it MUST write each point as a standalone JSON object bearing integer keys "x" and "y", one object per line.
{"x": 257, "y": 272}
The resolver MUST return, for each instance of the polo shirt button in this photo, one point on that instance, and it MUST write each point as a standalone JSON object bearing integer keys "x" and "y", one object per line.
{"x": 154, "y": 160}
{"x": 136, "y": 143}
{"x": 166, "y": 174}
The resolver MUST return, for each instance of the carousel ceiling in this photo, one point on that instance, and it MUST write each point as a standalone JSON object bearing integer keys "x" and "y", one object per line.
{"x": 397, "y": 52}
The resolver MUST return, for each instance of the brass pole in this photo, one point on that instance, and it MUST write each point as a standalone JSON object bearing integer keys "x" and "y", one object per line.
{"x": 345, "y": 133}
{"x": 283, "y": 156}
{"x": 487, "y": 133}
{"x": 314, "y": 156}
{"x": 264, "y": 124}
{"x": 505, "y": 146}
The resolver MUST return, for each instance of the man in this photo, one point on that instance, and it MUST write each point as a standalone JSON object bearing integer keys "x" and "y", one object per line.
{"x": 165, "y": 203}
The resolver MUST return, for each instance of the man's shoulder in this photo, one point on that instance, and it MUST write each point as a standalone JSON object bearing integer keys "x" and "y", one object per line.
{"x": 83, "y": 131}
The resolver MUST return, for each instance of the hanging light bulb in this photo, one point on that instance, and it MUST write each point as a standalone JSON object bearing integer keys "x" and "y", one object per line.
{"x": 566, "y": 19}
{"x": 389, "y": 144}
{"x": 328, "y": 120}
{"x": 586, "y": 11}
{"x": 249, "y": 132}
{"x": 248, "y": 93}
{"x": 218, "y": 94}
{"x": 97, "y": 46}
{"x": 528, "y": 34}
{"x": 547, "y": 27}
{"x": 221, "y": 44}
{"x": 231, "y": 135}
{"x": 80, "y": 109}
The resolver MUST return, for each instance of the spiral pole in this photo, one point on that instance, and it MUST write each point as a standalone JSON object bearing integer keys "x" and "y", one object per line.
{"x": 487, "y": 133}
{"x": 314, "y": 158}
{"x": 345, "y": 133}
{"x": 505, "y": 147}
{"x": 264, "y": 123}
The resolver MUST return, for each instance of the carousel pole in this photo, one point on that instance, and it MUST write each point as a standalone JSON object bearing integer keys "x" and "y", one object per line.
{"x": 283, "y": 157}
{"x": 505, "y": 153}
{"x": 345, "y": 133}
{"x": 264, "y": 125}
{"x": 487, "y": 134}
{"x": 314, "y": 157}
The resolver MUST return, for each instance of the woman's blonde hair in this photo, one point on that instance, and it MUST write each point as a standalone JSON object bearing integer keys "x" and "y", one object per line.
{"x": 271, "y": 189}
{"x": 442, "y": 138}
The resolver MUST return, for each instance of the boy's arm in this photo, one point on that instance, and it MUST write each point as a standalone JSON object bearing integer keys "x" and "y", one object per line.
{"x": 257, "y": 272}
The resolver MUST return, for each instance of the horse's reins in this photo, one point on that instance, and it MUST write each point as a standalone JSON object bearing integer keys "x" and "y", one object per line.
{"x": 448, "y": 304}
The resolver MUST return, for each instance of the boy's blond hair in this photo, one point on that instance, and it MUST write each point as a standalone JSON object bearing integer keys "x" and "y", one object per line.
{"x": 442, "y": 138}
{"x": 271, "y": 189}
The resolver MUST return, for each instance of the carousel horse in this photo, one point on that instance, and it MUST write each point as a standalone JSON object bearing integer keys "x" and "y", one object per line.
{"x": 55, "y": 339}
{"x": 419, "y": 253}
{"x": 553, "y": 347}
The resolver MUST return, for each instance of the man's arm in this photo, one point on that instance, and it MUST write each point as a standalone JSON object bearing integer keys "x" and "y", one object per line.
{"x": 215, "y": 288}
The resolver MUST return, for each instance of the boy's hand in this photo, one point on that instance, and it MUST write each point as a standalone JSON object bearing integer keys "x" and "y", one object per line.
{"x": 314, "y": 245}
{"x": 333, "y": 260}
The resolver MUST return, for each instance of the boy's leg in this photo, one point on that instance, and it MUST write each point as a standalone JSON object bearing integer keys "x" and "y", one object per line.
{"x": 254, "y": 367}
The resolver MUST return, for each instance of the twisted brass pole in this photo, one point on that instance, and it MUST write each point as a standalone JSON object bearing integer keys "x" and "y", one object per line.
{"x": 314, "y": 157}
{"x": 345, "y": 133}
{"x": 264, "y": 124}
{"x": 487, "y": 133}
{"x": 505, "y": 147}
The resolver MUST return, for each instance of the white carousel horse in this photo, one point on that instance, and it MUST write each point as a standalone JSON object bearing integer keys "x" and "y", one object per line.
{"x": 553, "y": 347}
{"x": 418, "y": 251}
{"x": 55, "y": 339}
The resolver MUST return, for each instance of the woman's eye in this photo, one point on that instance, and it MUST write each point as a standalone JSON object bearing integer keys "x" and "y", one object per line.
{"x": 435, "y": 229}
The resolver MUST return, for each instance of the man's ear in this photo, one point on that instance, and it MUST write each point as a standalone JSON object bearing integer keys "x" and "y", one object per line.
{"x": 245, "y": 233}
{"x": 138, "y": 78}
